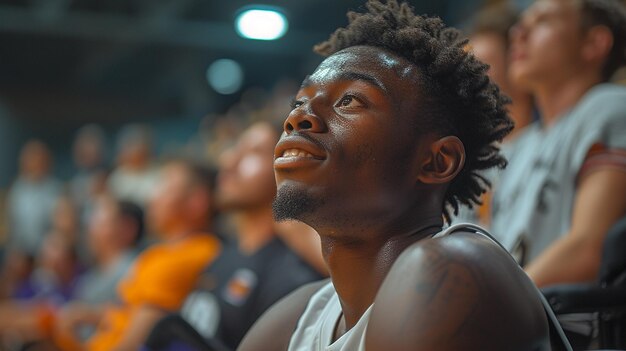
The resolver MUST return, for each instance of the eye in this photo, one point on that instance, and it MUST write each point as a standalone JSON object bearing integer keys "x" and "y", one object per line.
{"x": 349, "y": 101}
{"x": 295, "y": 104}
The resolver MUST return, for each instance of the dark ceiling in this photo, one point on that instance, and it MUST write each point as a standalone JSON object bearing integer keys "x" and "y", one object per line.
{"x": 95, "y": 60}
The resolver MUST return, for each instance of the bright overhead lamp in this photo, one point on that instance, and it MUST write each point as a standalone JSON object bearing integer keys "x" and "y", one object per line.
{"x": 261, "y": 23}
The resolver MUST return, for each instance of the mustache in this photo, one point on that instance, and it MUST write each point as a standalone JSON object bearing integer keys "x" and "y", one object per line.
{"x": 309, "y": 138}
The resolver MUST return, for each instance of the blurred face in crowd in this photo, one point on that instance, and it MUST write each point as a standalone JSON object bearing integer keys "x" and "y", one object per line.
{"x": 135, "y": 155}
{"x": 246, "y": 175}
{"x": 546, "y": 43}
{"x": 168, "y": 208}
{"x": 108, "y": 230}
{"x": 35, "y": 160}
{"x": 490, "y": 48}
{"x": 56, "y": 255}
{"x": 65, "y": 218}
{"x": 88, "y": 151}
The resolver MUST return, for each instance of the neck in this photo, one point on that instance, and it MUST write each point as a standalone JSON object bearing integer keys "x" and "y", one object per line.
{"x": 556, "y": 99}
{"x": 185, "y": 228}
{"x": 255, "y": 228}
{"x": 358, "y": 267}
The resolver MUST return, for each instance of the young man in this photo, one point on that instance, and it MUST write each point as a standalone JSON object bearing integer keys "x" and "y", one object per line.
{"x": 385, "y": 137}
{"x": 564, "y": 186}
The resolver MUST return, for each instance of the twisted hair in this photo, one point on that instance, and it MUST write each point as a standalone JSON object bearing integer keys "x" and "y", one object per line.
{"x": 458, "y": 97}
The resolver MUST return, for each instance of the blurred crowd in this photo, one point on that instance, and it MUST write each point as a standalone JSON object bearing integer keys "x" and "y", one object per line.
{"x": 80, "y": 256}
{"x": 70, "y": 244}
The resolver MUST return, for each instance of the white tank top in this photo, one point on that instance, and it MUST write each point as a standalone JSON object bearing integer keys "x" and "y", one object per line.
{"x": 316, "y": 327}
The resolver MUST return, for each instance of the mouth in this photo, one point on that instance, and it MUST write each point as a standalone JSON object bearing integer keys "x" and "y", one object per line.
{"x": 296, "y": 152}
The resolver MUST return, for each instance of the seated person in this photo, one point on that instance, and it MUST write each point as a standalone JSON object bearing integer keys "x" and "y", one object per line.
{"x": 254, "y": 270}
{"x": 52, "y": 283}
{"x": 165, "y": 273}
{"x": 114, "y": 231}
{"x": 386, "y": 138}
{"x": 564, "y": 187}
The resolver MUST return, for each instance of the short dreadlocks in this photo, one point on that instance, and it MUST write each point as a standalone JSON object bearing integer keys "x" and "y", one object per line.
{"x": 459, "y": 99}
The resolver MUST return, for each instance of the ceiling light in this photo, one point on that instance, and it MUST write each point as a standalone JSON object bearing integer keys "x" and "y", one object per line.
{"x": 261, "y": 23}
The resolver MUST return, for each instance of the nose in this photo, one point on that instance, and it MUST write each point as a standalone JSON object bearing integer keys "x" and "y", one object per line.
{"x": 301, "y": 119}
{"x": 517, "y": 32}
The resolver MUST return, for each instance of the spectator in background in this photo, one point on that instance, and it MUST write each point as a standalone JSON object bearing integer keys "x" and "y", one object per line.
{"x": 115, "y": 229}
{"x": 56, "y": 271}
{"x": 65, "y": 219}
{"x": 257, "y": 268}
{"x": 135, "y": 177}
{"x": 16, "y": 270}
{"x": 489, "y": 41}
{"x": 564, "y": 186}
{"x": 32, "y": 198}
{"x": 164, "y": 274}
{"x": 51, "y": 284}
{"x": 89, "y": 159}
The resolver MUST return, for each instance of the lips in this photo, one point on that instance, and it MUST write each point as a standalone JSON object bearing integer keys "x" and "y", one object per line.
{"x": 297, "y": 151}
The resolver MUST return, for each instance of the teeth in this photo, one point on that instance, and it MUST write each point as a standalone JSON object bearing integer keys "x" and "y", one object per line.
{"x": 296, "y": 153}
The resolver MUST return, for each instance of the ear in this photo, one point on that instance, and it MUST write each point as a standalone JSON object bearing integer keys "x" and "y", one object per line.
{"x": 445, "y": 159}
{"x": 598, "y": 44}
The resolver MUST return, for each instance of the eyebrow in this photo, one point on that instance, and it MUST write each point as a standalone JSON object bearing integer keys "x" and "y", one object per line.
{"x": 351, "y": 76}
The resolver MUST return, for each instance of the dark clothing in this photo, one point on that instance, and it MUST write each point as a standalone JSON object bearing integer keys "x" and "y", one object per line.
{"x": 237, "y": 288}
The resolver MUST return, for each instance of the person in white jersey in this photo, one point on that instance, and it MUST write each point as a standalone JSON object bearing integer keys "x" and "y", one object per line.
{"x": 566, "y": 183}
{"x": 384, "y": 140}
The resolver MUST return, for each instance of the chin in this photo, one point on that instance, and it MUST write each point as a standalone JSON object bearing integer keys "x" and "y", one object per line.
{"x": 293, "y": 203}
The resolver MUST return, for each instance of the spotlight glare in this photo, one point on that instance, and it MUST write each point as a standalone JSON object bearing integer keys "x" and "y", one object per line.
{"x": 261, "y": 24}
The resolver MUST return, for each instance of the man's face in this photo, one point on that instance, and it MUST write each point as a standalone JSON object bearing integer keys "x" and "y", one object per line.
{"x": 168, "y": 205}
{"x": 103, "y": 225}
{"x": 348, "y": 151}
{"x": 246, "y": 177}
{"x": 545, "y": 44}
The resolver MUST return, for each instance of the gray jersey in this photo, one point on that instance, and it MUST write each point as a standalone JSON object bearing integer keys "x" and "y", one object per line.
{"x": 533, "y": 202}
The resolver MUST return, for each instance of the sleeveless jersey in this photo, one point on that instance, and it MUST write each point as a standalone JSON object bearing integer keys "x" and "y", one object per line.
{"x": 316, "y": 327}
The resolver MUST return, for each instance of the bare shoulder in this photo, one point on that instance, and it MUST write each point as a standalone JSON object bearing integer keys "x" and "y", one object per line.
{"x": 273, "y": 330}
{"x": 457, "y": 292}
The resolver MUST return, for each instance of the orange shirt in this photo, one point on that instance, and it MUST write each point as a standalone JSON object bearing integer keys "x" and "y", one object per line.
{"x": 162, "y": 276}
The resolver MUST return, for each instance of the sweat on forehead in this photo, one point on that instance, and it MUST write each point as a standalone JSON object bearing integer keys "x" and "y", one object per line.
{"x": 358, "y": 58}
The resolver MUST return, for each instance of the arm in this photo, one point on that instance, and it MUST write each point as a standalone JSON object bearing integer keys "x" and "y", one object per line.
{"x": 272, "y": 332}
{"x": 142, "y": 321}
{"x": 460, "y": 292}
{"x": 598, "y": 205}
{"x": 75, "y": 314}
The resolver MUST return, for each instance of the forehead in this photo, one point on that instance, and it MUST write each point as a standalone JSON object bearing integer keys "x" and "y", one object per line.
{"x": 556, "y": 8}
{"x": 377, "y": 66}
